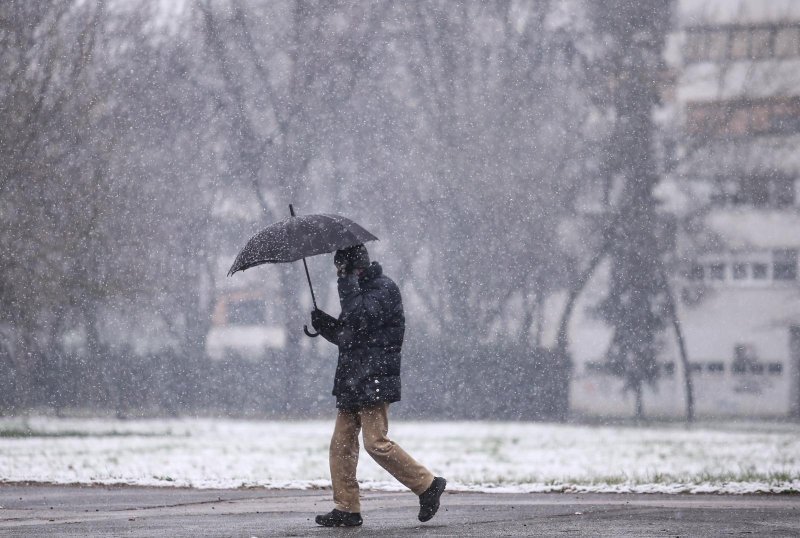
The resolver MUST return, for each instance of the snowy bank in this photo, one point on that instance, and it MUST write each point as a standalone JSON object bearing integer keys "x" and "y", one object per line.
{"x": 474, "y": 456}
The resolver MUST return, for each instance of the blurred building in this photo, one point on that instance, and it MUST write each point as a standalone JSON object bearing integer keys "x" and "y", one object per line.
{"x": 733, "y": 184}
{"x": 240, "y": 325}
{"x": 243, "y": 322}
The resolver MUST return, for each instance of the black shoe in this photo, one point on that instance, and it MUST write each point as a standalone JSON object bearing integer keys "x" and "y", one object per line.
{"x": 429, "y": 501}
{"x": 337, "y": 518}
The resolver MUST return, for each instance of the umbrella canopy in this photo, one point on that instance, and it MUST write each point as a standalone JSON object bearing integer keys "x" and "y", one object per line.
{"x": 299, "y": 237}
{"x": 296, "y": 238}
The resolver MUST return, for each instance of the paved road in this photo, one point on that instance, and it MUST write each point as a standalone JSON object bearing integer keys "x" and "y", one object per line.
{"x": 132, "y": 511}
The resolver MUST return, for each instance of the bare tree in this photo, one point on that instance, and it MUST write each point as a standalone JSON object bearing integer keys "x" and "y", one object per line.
{"x": 46, "y": 51}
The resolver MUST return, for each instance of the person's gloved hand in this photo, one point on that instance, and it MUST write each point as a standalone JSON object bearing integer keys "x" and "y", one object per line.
{"x": 342, "y": 270}
{"x": 323, "y": 321}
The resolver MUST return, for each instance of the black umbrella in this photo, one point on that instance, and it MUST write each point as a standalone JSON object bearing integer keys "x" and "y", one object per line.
{"x": 296, "y": 238}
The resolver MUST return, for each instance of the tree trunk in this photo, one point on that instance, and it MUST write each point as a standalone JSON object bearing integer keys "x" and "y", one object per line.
{"x": 676, "y": 325}
{"x": 574, "y": 293}
{"x": 639, "y": 403}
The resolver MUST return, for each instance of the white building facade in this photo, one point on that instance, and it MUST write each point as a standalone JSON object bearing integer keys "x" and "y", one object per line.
{"x": 735, "y": 192}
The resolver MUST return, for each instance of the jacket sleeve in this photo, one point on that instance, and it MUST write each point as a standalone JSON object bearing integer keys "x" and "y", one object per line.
{"x": 330, "y": 328}
{"x": 362, "y": 310}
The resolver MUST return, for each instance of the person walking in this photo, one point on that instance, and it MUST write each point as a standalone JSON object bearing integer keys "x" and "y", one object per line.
{"x": 369, "y": 333}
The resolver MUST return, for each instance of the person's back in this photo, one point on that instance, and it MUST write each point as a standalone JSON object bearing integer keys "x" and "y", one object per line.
{"x": 370, "y": 339}
{"x": 369, "y": 333}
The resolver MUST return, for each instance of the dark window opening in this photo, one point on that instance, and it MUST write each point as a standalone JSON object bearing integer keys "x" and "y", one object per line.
{"x": 669, "y": 368}
{"x": 760, "y": 44}
{"x": 716, "y": 271}
{"x": 758, "y": 191}
{"x": 757, "y": 368}
{"x": 787, "y": 42}
{"x": 694, "y": 46}
{"x": 775, "y": 368}
{"x": 754, "y": 191}
{"x": 715, "y": 367}
{"x": 783, "y": 192}
{"x": 739, "y": 271}
{"x": 760, "y": 271}
{"x": 745, "y": 359}
{"x": 695, "y": 367}
{"x": 697, "y": 272}
{"x": 784, "y": 264}
{"x": 742, "y": 43}
{"x": 716, "y": 44}
{"x": 597, "y": 367}
{"x": 744, "y": 117}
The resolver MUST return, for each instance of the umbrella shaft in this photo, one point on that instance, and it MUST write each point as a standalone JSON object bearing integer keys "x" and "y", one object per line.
{"x": 308, "y": 277}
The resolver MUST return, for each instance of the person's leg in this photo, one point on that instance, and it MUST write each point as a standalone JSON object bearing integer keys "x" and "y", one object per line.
{"x": 389, "y": 455}
{"x": 344, "y": 460}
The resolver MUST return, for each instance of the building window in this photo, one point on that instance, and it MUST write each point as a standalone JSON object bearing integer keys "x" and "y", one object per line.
{"x": 759, "y": 116}
{"x": 697, "y": 272}
{"x": 741, "y": 43}
{"x": 760, "y": 44}
{"x": 695, "y": 367}
{"x": 775, "y": 368}
{"x": 784, "y": 264}
{"x": 760, "y": 271}
{"x": 743, "y": 268}
{"x": 782, "y": 192}
{"x": 595, "y": 367}
{"x": 744, "y": 117}
{"x": 757, "y": 191}
{"x": 744, "y": 359}
{"x": 692, "y": 50}
{"x": 669, "y": 368}
{"x": 250, "y": 312}
{"x": 724, "y": 192}
{"x": 787, "y": 42}
{"x": 716, "y": 367}
{"x": 716, "y": 271}
{"x": 756, "y": 368}
{"x": 754, "y": 191}
{"x": 716, "y": 45}
{"x": 784, "y": 117}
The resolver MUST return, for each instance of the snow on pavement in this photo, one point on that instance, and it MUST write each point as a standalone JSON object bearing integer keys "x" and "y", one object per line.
{"x": 474, "y": 456}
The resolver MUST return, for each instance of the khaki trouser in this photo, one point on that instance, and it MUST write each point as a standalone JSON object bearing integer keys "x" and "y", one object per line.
{"x": 373, "y": 420}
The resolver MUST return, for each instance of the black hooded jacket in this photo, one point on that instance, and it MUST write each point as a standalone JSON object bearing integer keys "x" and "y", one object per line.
{"x": 369, "y": 333}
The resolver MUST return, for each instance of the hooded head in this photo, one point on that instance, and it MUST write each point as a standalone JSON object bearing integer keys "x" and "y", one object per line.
{"x": 355, "y": 257}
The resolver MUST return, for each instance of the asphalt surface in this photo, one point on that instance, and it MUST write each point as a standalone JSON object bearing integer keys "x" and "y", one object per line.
{"x": 44, "y": 510}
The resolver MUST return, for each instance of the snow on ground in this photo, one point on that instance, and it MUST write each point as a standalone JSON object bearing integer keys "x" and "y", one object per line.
{"x": 474, "y": 456}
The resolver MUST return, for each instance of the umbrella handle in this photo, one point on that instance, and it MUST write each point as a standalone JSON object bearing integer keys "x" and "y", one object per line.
{"x": 308, "y": 333}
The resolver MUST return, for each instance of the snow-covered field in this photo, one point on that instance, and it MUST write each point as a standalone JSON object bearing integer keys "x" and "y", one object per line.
{"x": 479, "y": 456}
